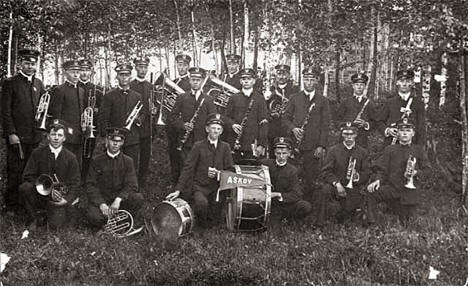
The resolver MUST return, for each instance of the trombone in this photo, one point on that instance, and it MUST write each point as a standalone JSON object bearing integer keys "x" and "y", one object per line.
{"x": 42, "y": 109}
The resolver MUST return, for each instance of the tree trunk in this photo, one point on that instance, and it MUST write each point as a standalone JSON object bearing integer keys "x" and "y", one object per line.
{"x": 245, "y": 47}
{"x": 56, "y": 62}
{"x": 443, "y": 82}
{"x": 232, "y": 47}
{"x": 10, "y": 42}
{"x": 463, "y": 92}
{"x": 179, "y": 33}
{"x": 337, "y": 72}
{"x": 256, "y": 36}
{"x": 326, "y": 82}
{"x": 194, "y": 38}
{"x": 223, "y": 55}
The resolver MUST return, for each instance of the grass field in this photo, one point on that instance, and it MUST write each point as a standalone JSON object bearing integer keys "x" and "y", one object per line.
{"x": 289, "y": 253}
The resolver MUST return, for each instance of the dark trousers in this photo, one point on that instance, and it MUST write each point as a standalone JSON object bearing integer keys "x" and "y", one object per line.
{"x": 76, "y": 149}
{"x": 90, "y": 146}
{"x": 15, "y": 168}
{"x": 391, "y": 196}
{"x": 174, "y": 154}
{"x": 295, "y": 210}
{"x": 133, "y": 151}
{"x": 145, "y": 157}
{"x": 205, "y": 208}
{"x": 35, "y": 204}
{"x": 310, "y": 170}
{"x": 132, "y": 204}
{"x": 348, "y": 204}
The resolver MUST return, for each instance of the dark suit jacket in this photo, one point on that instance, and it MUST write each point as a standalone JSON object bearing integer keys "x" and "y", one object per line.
{"x": 276, "y": 95}
{"x": 42, "y": 161}
{"x": 316, "y": 131}
{"x": 233, "y": 81}
{"x": 194, "y": 175}
{"x": 144, "y": 88}
{"x": 110, "y": 178}
{"x": 19, "y": 104}
{"x": 285, "y": 180}
{"x": 183, "y": 82}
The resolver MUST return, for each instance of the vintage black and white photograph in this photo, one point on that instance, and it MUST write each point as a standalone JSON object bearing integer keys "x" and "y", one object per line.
{"x": 234, "y": 142}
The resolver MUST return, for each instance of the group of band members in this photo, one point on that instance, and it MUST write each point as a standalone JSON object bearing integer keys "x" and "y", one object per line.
{"x": 297, "y": 127}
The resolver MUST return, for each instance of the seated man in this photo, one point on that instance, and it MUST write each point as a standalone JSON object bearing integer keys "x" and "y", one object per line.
{"x": 398, "y": 171}
{"x": 61, "y": 167}
{"x": 345, "y": 171}
{"x": 285, "y": 181}
{"x": 112, "y": 182}
{"x": 198, "y": 180}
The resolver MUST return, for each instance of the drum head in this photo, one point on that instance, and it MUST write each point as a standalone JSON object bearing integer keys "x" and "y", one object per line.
{"x": 166, "y": 221}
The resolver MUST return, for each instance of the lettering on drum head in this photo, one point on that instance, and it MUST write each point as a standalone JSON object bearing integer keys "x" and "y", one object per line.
{"x": 237, "y": 180}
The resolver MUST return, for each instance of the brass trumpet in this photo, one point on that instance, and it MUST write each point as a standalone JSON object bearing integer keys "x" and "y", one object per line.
{"x": 133, "y": 115}
{"x": 121, "y": 225}
{"x": 409, "y": 172}
{"x": 42, "y": 109}
{"x": 351, "y": 174}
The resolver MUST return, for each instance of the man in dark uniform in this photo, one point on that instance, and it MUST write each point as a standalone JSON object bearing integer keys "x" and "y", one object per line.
{"x": 356, "y": 104}
{"x": 399, "y": 171}
{"x": 190, "y": 112}
{"x": 20, "y": 98}
{"x": 231, "y": 76}
{"x": 116, "y": 107}
{"x": 311, "y": 137}
{"x": 61, "y": 165}
{"x": 183, "y": 64}
{"x": 145, "y": 88}
{"x": 68, "y": 102}
{"x": 112, "y": 182}
{"x": 93, "y": 97}
{"x": 403, "y": 105}
{"x": 345, "y": 173}
{"x": 282, "y": 90}
{"x": 248, "y": 107}
{"x": 285, "y": 182}
{"x": 198, "y": 181}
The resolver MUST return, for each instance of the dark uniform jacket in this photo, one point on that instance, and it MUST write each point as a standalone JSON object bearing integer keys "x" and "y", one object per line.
{"x": 116, "y": 107}
{"x": 285, "y": 180}
{"x": 109, "y": 178}
{"x": 256, "y": 126}
{"x": 183, "y": 82}
{"x": 194, "y": 175}
{"x": 67, "y": 103}
{"x": 233, "y": 81}
{"x": 316, "y": 131}
{"x": 183, "y": 111}
{"x": 144, "y": 88}
{"x": 276, "y": 96}
{"x": 336, "y": 164}
{"x": 65, "y": 167}
{"x": 391, "y": 114}
{"x": 392, "y": 165}
{"x": 19, "y": 104}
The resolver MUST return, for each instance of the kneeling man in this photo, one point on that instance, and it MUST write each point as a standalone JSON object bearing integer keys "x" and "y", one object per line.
{"x": 198, "y": 181}
{"x": 112, "y": 183}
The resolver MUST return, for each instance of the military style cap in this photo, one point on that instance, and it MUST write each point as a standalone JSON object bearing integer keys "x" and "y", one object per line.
{"x": 282, "y": 142}
{"x": 281, "y": 67}
{"x": 405, "y": 74}
{"x": 141, "y": 61}
{"x": 115, "y": 133}
{"x": 71, "y": 65}
{"x": 405, "y": 123}
{"x": 311, "y": 72}
{"x": 86, "y": 64}
{"x": 183, "y": 58}
{"x": 124, "y": 68}
{"x": 28, "y": 55}
{"x": 359, "y": 78}
{"x": 197, "y": 72}
{"x": 247, "y": 72}
{"x": 215, "y": 118}
{"x": 348, "y": 126}
{"x": 59, "y": 124}
{"x": 233, "y": 58}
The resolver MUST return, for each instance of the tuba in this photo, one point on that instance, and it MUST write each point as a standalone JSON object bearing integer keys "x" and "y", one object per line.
{"x": 42, "y": 109}
{"x": 133, "y": 115}
{"x": 409, "y": 172}
{"x": 222, "y": 92}
{"x": 121, "y": 225}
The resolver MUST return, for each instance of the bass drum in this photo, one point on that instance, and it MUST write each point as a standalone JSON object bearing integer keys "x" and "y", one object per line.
{"x": 173, "y": 218}
{"x": 248, "y": 209}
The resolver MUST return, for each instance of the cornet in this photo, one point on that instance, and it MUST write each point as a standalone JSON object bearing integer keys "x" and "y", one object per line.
{"x": 121, "y": 225}
{"x": 351, "y": 174}
{"x": 42, "y": 109}
{"x": 87, "y": 118}
{"x": 409, "y": 172}
{"x": 133, "y": 115}
{"x": 45, "y": 184}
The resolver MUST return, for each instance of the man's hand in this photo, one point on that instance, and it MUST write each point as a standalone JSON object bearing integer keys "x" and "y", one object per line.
{"x": 374, "y": 186}
{"x": 13, "y": 139}
{"x": 341, "y": 190}
{"x": 57, "y": 198}
{"x": 237, "y": 128}
{"x": 188, "y": 126}
{"x": 212, "y": 172}
{"x": 360, "y": 122}
{"x": 104, "y": 209}
{"x": 391, "y": 131}
{"x": 114, "y": 208}
{"x": 319, "y": 152}
{"x": 173, "y": 195}
{"x": 260, "y": 150}
{"x": 298, "y": 133}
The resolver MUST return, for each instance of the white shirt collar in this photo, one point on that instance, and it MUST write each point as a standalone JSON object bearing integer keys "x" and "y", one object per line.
{"x": 349, "y": 147}
{"x": 404, "y": 96}
{"x": 84, "y": 82}
{"x": 121, "y": 88}
{"x": 140, "y": 79}
{"x": 282, "y": 86}
{"x": 282, "y": 164}
{"x": 197, "y": 94}
{"x": 359, "y": 97}
{"x": 113, "y": 155}
{"x": 28, "y": 77}
{"x": 247, "y": 92}
{"x": 310, "y": 94}
{"x": 56, "y": 151}
{"x": 215, "y": 142}
{"x": 71, "y": 83}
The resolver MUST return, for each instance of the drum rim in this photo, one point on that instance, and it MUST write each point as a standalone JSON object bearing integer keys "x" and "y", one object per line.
{"x": 185, "y": 227}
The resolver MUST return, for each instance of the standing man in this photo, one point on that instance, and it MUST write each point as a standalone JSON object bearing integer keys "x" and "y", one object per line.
{"x": 246, "y": 115}
{"x": 307, "y": 121}
{"x": 345, "y": 173}
{"x": 145, "y": 88}
{"x": 68, "y": 103}
{"x": 359, "y": 109}
{"x": 232, "y": 76}
{"x": 399, "y": 171}
{"x": 282, "y": 90}
{"x": 61, "y": 166}
{"x": 190, "y": 113}
{"x": 183, "y": 64}
{"x": 117, "y": 105}
{"x": 285, "y": 181}
{"x": 20, "y": 98}
{"x": 198, "y": 181}
{"x": 112, "y": 182}
{"x": 404, "y": 105}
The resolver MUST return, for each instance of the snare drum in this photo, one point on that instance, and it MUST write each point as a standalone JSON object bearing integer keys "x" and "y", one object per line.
{"x": 248, "y": 209}
{"x": 173, "y": 218}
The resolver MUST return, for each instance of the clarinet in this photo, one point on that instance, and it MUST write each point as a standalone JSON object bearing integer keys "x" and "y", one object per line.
{"x": 359, "y": 115}
{"x": 304, "y": 124}
{"x": 192, "y": 121}
{"x": 237, "y": 144}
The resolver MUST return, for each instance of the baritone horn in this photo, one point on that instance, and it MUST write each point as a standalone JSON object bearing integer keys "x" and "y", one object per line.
{"x": 133, "y": 115}
{"x": 409, "y": 172}
{"x": 45, "y": 184}
{"x": 42, "y": 109}
{"x": 222, "y": 93}
{"x": 121, "y": 225}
